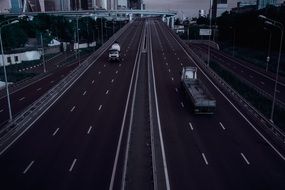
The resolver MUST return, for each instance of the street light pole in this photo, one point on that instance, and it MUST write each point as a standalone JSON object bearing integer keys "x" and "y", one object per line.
{"x": 101, "y": 31}
{"x": 280, "y": 26}
{"x": 4, "y": 68}
{"x": 43, "y": 52}
{"x": 234, "y": 40}
{"x": 77, "y": 32}
{"x": 210, "y": 19}
{"x": 276, "y": 78}
{"x": 268, "y": 50}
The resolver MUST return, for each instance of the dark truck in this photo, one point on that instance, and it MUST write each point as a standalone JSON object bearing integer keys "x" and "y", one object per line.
{"x": 199, "y": 96}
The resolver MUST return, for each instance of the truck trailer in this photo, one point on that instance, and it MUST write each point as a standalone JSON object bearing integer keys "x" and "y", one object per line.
{"x": 196, "y": 92}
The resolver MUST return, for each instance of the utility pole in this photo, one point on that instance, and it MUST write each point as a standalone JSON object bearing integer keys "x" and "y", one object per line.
{"x": 43, "y": 52}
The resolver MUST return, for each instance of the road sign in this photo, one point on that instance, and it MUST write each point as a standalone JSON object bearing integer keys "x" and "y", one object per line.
{"x": 205, "y": 32}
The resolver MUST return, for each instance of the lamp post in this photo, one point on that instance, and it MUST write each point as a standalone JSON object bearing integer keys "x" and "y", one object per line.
{"x": 101, "y": 31}
{"x": 268, "y": 49}
{"x": 234, "y": 39}
{"x": 77, "y": 33}
{"x": 210, "y": 33}
{"x": 280, "y": 26}
{"x": 43, "y": 52}
{"x": 4, "y": 68}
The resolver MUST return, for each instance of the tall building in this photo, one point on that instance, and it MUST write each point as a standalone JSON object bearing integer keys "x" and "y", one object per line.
{"x": 122, "y": 4}
{"x": 135, "y": 4}
{"x": 65, "y": 5}
{"x": 79, "y": 4}
{"x": 16, "y": 6}
{"x": 102, "y": 4}
{"x": 263, "y": 3}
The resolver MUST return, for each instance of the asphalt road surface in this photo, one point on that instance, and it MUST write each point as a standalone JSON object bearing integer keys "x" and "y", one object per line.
{"x": 74, "y": 145}
{"x": 255, "y": 76}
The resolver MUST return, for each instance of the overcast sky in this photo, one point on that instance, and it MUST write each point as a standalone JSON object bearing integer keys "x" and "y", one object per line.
{"x": 190, "y": 8}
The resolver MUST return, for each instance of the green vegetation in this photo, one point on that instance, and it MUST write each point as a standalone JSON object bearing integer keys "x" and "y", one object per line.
{"x": 58, "y": 27}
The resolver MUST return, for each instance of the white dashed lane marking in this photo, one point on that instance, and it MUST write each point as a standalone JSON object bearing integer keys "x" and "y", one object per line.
{"x": 28, "y": 167}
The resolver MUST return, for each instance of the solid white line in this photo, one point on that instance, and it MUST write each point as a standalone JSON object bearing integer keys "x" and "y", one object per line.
{"x": 100, "y": 107}
{"x": 92, "y": 81}
{"x": 222, "y": 126}
{"x": 122, "y": 129}
{"x": 22, "y": 98}
{"x": 241, "y": 114}
{"x": 205, "y": 159}
{"x": 72, "y": 109}
{"x": 84, "y": 93}
{"x": 72, "y": 165}
{"x": 28, "y": 167}
{"x": 52, "y": 103}
{"x": 39, "y": 89}
{"x": 107, "y": 92}
{"x": 182, "y": 105}
{"x": 245, "y": 159}
{"x": 159, "y": 124}
{"x": 54, "y": 133}
{"x": 191, "y": 127}
{"x": 89, "y": 130}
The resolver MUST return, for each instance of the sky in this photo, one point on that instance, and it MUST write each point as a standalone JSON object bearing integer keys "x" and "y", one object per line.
{"x": 189, "y": 8}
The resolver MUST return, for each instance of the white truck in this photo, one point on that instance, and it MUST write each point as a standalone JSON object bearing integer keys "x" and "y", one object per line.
{"x": 199, "y": 96}
{"x": 114, "y": 52}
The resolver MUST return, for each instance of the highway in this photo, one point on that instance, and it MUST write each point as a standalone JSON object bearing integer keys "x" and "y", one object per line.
{"x": 255, "y": 76}
{"x": 96, "y": 136}
{"x": 77, "y": 137}
{"x": 221, "y": 151}
{"x": 23, "y": 94}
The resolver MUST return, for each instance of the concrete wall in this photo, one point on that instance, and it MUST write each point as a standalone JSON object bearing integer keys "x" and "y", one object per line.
{"x": 17, "y": 58}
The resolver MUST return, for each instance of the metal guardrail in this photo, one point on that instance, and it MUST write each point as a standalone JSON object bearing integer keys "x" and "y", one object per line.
{"x": 252, "y": 111}
{"x": 213, "y": 44}
{"x": 253, "y": 86}
{"x": 23, "y": 121}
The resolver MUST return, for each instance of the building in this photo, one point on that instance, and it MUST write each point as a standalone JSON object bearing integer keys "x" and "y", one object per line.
{"x": 5, "y": 6}
{"x": 79, "y": 4}
{"x": 122, "y": 4}
{"x": 263, "y": 3}
{"x": 202, "y": 13}
{"x": 16, "y": 6}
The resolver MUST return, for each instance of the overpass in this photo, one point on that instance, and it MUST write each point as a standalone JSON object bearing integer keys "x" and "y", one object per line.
{"x": 128, "y": 14}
